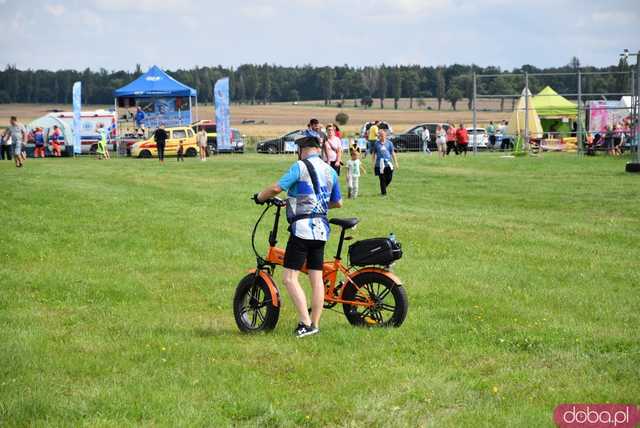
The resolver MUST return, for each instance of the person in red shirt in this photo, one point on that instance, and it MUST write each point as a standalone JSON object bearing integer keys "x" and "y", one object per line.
{"x": 462, "y": 138}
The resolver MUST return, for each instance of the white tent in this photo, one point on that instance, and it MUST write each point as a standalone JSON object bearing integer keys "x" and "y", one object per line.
{"x": 517, "y": 121}
{"x": 47, "y": 122}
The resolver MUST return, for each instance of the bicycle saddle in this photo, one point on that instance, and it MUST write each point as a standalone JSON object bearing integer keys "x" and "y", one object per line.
{"x": 346, "y": 223}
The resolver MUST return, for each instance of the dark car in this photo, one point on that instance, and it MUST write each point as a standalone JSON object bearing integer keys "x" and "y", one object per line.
{"x": 283, "y": 144}
{"x": 413, "y": 139}
{"x": 237, "y": 140}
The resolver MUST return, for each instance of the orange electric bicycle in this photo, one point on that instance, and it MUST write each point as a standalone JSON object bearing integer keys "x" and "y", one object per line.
{"x": 370, "y": 294}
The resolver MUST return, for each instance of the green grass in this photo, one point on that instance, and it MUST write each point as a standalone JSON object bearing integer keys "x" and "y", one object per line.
{"x": 117, "y": 280}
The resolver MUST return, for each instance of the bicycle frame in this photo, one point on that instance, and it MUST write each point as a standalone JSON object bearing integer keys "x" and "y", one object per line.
{"x": 330, "y": 270}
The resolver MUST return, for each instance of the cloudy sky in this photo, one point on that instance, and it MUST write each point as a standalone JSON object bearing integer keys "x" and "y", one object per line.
{"x": 117, "y": 34}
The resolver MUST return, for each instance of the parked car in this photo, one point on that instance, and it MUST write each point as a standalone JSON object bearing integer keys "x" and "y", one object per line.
{"x": 282, "y": 144}
{"x": 481, "y": 141}
{"x": 413, "y": 139}
{"x": 364, "y": 130}
{"x": 147, "y": 148}
{"x": 237, "y": 139}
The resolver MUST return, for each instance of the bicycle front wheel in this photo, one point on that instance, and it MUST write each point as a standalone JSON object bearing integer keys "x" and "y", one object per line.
{"x": 253, "y": 308}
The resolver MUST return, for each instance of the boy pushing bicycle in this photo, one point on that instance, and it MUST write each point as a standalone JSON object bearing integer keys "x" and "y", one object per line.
{"x": 312, "y": 189}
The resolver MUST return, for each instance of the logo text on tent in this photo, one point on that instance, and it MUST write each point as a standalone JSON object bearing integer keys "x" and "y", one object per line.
{"x": 153, "y": 78}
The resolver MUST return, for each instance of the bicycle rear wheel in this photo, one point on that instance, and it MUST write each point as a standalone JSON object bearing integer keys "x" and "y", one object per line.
{"x": 390, "y": 301}
{"x": 253, "y": 309}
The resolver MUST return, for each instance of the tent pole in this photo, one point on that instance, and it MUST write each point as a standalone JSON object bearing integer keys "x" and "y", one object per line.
{"x": 197, "y": 110}
{"x": 115, "y": 109}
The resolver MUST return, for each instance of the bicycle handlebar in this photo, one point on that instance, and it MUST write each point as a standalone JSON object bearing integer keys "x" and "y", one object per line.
{"x": 272, "y": 201}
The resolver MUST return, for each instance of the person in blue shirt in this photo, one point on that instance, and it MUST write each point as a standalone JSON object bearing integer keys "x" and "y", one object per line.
{"x": 139, "y": 117}
{"x": 312, "y": 189}
{"x": 384, "y": 160}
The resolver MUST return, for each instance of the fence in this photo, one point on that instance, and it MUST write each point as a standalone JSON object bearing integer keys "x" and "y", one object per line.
{"x": 612, "y": 123}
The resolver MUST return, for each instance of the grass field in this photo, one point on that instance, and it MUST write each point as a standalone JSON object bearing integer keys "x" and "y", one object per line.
{"x": 118, "y": 277}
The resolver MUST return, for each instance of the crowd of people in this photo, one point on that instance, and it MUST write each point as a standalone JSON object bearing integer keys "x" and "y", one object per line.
{"x": 380, "y": 147}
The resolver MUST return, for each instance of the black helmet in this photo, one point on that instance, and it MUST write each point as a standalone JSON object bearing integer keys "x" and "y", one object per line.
{"x": 308, "y": 142}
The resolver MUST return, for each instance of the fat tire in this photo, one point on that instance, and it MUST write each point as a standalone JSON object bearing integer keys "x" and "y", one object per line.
{"x": 398, "y": 292}
{"x": 271, "y": 312}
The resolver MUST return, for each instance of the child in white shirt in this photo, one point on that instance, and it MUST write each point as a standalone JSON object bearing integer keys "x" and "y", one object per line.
{"x": 353, "y": 172}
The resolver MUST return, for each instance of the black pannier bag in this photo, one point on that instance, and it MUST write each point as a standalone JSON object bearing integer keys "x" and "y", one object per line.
{"x": 374, "y": 251}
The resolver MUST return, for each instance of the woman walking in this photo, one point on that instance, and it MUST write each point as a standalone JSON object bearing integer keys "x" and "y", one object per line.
{"x": 332, "y": 149}
{"x": 451, "y": 140}
{"x": 384, "y": 161}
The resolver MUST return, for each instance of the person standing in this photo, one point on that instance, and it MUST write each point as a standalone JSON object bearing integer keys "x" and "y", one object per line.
{"x": 506, "y": 141}
{"x": 313, "y": 188}
{"x": 38, "y": 139}
{"x": 451, "y": 140}
{"x": 384, "y": 160}
{"x": 139, "y": 117}
{"x": 426, "y": 139}
{"x": 441, "y": 141}
{"x": 102, "y": 151}
{"x": 332, "y": 149}
{"x": 55, "y": 141}
{"x": 491, "y": 132}
{"x": 181, "y": 151}
{"x": 372, "y": 136}
{"x": 5, "y": 146}
{"x": 462, "y": 139}
{"x": 160, "y": 137}
{"x": 354, "y": 167}
{"x": 202, "y": 143}
{"x": 18, "y": 135}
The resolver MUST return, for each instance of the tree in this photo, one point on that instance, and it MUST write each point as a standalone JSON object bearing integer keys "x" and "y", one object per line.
{"x": 411, "y": 83}
{"x": 251, "y": 83}
{"x": 441, "y": 92}
{"x": 266, "y": 86}
{"x": 382, "y": 86}
{"x": 241, "y": 91}
{"x": 396, "y": 87}
{"x": 453, "y": 96}
{"x": 623, "y": 80}
{"x": 464, "y": 83}
{"x": 327, "y": 75}
{"x": 501, "y": 86}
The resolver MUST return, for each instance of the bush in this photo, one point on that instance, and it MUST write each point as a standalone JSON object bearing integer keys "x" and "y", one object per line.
{"x": 342, "y": 118}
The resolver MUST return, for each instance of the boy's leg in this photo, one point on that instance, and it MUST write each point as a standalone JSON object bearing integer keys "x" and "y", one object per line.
{"x": 296, "y": 293}
{"x": 355, "y": 186}
{"x": 317, "y": 296}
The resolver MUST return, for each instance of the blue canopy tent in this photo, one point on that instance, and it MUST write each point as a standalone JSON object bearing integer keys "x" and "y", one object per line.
{"x": 162, "y": 98}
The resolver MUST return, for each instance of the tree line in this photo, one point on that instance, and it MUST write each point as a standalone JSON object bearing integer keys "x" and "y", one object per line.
{"x": 341, "y": 85}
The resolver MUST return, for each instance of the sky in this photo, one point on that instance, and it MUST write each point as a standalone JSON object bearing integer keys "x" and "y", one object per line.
{"x": 118, "y": 34}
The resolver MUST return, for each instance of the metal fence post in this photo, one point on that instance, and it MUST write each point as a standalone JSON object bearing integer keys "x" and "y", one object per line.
{"x": 579, "y": 115}
{"x": 526, "y": 112}
{"x": 475, "y": 121}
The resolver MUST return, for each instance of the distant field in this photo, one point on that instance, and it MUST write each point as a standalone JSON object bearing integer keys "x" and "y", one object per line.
{"x": 279, "y": 118}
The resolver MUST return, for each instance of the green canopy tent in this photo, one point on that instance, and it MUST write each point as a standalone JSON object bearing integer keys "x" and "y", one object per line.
{"x": 556, "y": 112}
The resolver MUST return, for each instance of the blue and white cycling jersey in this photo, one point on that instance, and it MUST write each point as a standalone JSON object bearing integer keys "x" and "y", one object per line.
{"x": 302, "y": 200}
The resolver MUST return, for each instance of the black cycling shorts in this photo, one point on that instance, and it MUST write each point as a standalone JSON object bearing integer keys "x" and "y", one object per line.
{"x": 300, "y": 250}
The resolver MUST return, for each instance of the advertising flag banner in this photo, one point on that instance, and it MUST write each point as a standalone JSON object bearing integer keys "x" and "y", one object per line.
{"x": 223, "y": 130}
{"x": 77, "y": 122}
